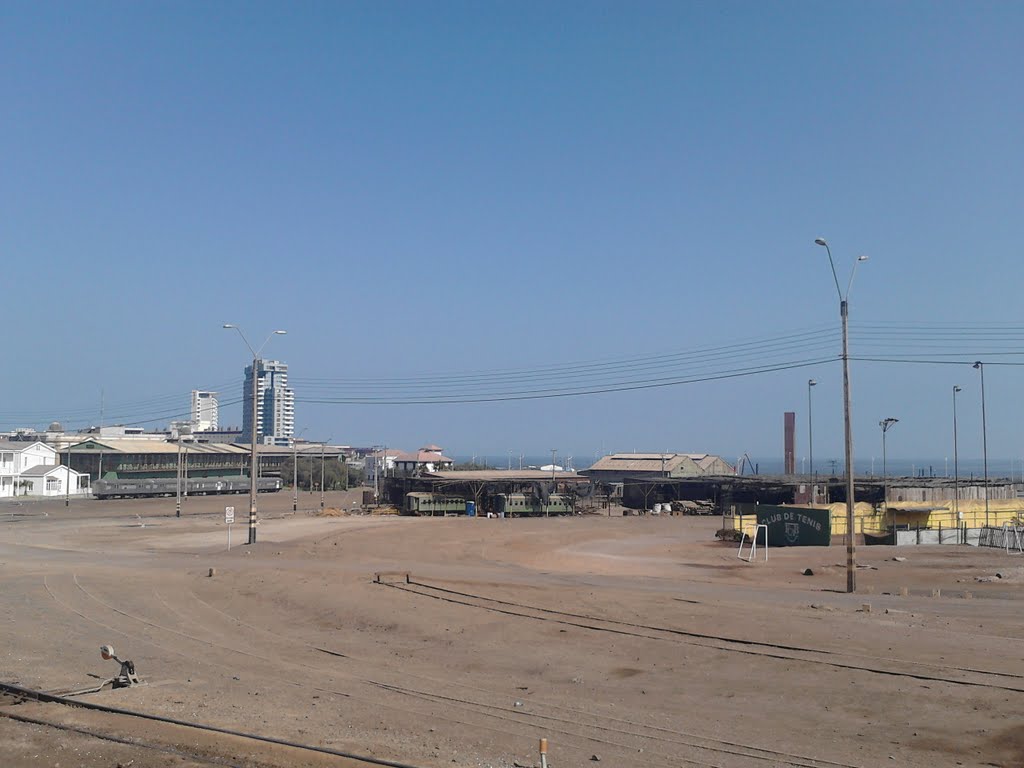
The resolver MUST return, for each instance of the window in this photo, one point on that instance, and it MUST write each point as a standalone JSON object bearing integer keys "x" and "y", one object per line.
{"x": 53, "y": 484}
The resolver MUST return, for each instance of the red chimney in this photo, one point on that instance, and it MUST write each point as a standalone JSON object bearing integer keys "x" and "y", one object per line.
{"x": 790, "y": 447}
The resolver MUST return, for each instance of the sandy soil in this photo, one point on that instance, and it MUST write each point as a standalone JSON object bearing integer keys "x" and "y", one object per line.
{"x": 635, "y": 640}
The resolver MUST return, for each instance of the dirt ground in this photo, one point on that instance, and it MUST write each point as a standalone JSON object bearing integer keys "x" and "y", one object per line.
{"x": 635, "y": 641}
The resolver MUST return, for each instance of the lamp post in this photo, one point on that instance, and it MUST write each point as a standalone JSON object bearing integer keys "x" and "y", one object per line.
{"x": 885, "y": 424}
{"x": 322, "y": 462}
{"x": 554, "y": 483}
{"x": 984, "y": 433}
{"x": 810, "y": 437}
{"x": 252, "y": 431}
{"x": 956, "y": 462}
{"x": 295, "y": 470}
{"x": 851, "y": 551}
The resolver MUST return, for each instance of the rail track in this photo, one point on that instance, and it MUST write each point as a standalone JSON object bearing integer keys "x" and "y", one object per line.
{"x": 577, "y": 730}
{"x": 18, "y": 694}
{"x": 968, "y": 676}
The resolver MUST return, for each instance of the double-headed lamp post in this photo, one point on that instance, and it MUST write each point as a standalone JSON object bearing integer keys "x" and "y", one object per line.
{"x": 252, "y": 431}
{"x": 886, "y": 424}
{"x": 980, "y": 366}
{"x": 851, "y": 548}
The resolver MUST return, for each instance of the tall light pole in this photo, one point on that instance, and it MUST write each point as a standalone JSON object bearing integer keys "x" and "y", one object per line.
{"x": 810, "y": 435}
{"x": 295, "y": 470}
{"x": 984, "y": 433}
{"x": 322, "y": 462}
{"x": 956, "y": 462}
{"x": 851, "y": 549}
{"x": 554, "y": 483}
{"x": 886, "y": 424}
{"x": 252, "y": 431}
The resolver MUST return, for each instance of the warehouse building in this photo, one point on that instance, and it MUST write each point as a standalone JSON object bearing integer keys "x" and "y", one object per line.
{"x": 618, "y": 467}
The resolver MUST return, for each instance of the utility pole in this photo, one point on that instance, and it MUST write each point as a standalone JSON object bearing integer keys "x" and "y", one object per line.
{"x": 956, "y": 462}
{"x": 295, "y": 475}
{"x": 885, "y": 424}
{"x": 810, "y": 437}
{"x": 253, "y": 467}
{"x": 554, "y": 483}
{"x": 984, "y": 433}
{"x": 321, "y": 476}
{"x": 67, "y": 484}
{"x": 851, "y": 546}
{"x": 177, "y": 512}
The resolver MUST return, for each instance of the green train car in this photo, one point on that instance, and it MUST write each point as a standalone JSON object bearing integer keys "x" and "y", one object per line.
{"x": 521, "y": 504}
{"x": 434, "y": 504}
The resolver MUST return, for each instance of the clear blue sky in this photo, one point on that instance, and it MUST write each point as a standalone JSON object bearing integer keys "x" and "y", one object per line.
{"x": 417, "y": 188}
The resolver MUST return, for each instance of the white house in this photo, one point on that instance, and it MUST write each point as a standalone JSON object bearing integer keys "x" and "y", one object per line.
{"x": 31, "y": 469}
{"x": 379, "y": 464}
{"x": 426, "y": 459}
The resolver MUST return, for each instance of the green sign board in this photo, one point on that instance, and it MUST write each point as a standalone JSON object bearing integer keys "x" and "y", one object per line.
{"x": 796, "y": 526}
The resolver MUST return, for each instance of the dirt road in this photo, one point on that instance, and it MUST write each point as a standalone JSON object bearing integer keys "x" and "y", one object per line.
{"x": 638, "y": 641}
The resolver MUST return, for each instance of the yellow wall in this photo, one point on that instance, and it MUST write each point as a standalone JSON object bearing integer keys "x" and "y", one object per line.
{"x": 869, "y": 520}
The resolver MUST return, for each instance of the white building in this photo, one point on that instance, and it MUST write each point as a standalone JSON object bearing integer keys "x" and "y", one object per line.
{"x": 204, "y": 411}
{"x": 379, "y": 464}
{"x": 275, "y": 404}
{"x": 31, "y": 469}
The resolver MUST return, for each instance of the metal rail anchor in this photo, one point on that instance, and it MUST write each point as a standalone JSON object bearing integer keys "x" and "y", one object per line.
{"x": 126, "y": 677}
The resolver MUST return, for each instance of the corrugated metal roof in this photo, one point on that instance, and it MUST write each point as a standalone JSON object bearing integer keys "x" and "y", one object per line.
{"x": 162, "y": 447}
{"x": 496, "y": 475}
{"x": 423, "y": 457}
{"x": 641, "y": 462}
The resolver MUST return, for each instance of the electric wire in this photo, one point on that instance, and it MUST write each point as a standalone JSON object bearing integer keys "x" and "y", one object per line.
{"x": 874, "y": 341}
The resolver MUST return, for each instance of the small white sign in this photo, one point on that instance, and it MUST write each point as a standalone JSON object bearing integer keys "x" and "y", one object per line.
{"x": 229, "y": 515}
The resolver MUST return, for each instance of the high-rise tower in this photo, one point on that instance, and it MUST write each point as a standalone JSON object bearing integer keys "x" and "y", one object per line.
{"x": 275, "y": 404}
{"x": 204, "y": 410}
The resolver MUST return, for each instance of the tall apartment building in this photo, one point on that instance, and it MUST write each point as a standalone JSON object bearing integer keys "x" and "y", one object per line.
{"x": 275, "y": 404}
{"x": 204, "y": 410}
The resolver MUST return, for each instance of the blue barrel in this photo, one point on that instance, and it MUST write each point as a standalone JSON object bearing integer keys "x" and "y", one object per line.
{"x": 470, "y": 509}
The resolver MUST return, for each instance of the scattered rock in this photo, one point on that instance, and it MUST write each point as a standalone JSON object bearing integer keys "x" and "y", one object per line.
{"x": 213, "y": 572}
{"x": 518, "y": 704}
{"x": 577, "y": 680}
{"x": 900, "y": 559}
{"x": 808, "y": 572}
{"x": 595, "y": 758}
{"x": 865, "y": 608}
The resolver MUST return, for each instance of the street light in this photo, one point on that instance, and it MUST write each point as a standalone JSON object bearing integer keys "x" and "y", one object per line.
{"x": 984, "y": 433}
{"x": 956, "y": 462}
{"x": 252, "y": 432}
{"x": 885, "y": 424}
{"x": 322, "y": 458}
{"x": 295, "y": 470}
{"x": 810, "y": 435}
{"x": 851, "y": 552}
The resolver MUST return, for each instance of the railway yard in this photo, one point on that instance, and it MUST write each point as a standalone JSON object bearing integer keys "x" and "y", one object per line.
{"x": 343, "y": 640}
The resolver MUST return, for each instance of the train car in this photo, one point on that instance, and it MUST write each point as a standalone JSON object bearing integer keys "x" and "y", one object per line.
{"x": 521, "y": 504}
{"x": 418, "y": 503}
{"x": 194, "y": 486}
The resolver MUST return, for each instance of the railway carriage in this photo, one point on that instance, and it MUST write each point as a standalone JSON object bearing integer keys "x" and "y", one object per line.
{"x": 194, "y": 486}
